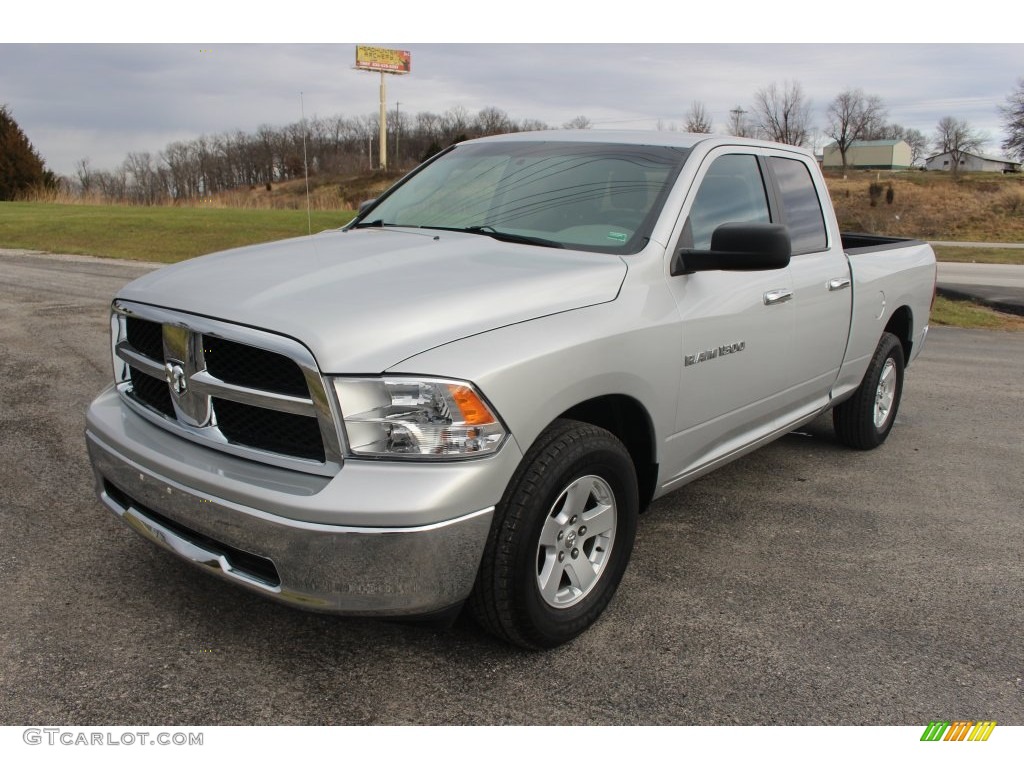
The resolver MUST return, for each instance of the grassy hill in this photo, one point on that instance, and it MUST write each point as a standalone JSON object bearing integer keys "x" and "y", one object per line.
{"x": 935, "y": 206}
{"x": 987, "y": 207}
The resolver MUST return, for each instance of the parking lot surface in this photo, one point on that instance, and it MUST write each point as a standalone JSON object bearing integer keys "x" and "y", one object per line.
{"x": 803, "y": 584}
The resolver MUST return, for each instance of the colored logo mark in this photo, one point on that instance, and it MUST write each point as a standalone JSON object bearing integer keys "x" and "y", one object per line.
{"x": 958, "y": 730}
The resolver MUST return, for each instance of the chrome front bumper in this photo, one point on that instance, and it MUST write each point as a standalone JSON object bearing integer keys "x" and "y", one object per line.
{"x": 392, "y": 570}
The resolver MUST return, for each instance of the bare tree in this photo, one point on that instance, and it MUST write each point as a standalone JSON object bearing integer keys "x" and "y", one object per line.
{"x": 739, "y": 125}
{"x": 1013, "y": 121}
{"x": 147, "y": 185}
{"x": 580, "y": 121}
{"x": 85, "y": 175}
{"x": 455, "y": 124}
{"x": 697, "y": 119}
{"x": 918, "y": 144}
{"x": 958, "y": 138}
{"x": 883, "y": 130}
{"x": 491, "y": 121}
{"x": 784, "y": 114}
{"x": 852, "y": 115}
{"x": 531, "y": 124}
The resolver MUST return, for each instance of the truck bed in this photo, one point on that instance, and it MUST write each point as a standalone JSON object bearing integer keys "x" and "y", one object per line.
{"x": 859, "y": 242}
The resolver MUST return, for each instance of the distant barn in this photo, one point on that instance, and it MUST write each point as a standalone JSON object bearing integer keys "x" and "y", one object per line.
{"x": 878, "y": 155}
{"x": 971, "y": 162}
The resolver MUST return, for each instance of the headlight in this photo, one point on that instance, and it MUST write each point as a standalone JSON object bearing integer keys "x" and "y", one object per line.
{"x": 417, "y": 418}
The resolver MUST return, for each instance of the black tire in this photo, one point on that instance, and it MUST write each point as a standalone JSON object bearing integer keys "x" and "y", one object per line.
{"x": 573, "y": 466}
{"x": 855, "y": 419}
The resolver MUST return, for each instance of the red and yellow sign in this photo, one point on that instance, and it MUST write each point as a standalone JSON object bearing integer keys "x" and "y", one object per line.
{"x": 383, "y": 60}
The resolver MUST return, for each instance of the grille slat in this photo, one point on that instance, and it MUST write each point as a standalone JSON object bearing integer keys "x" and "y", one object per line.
{"x": 268, "y": 430}
{"x": 252, "y": 367}
{"x": 152, "y": 392}
{"x": 147, "y": 337}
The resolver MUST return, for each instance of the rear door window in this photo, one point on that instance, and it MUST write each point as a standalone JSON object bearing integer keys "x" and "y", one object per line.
{"x": 801, "y": 207}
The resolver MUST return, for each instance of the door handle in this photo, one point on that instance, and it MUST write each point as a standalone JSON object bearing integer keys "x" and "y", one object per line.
{"x": 838, "y": 283}
{"x": 778, "y": 296}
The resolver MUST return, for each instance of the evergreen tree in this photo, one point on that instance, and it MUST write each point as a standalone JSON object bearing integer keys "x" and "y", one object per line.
{"x": 21, "y": 167}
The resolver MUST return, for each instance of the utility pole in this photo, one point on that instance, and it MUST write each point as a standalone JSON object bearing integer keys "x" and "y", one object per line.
{"x": 398, "y": 130}
{"x": 383, "y": 124}
{"x": 739, "y": 125}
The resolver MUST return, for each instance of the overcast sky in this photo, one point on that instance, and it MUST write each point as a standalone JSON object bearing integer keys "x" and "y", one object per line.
{"x": 101, "y": 100}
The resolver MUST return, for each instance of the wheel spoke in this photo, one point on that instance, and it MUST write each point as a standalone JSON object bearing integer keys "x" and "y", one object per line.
{"x": 887, "y": 374}
{"x": 576, "y": 497}
{"x": 582, "y": 573}
{"x": 550, "y": 577}
{"x": 549, "y": 533}
{"x": 600, "y": 520}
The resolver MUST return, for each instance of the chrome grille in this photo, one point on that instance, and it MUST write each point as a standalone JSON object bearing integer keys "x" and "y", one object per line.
{"x": 246, "y": 392}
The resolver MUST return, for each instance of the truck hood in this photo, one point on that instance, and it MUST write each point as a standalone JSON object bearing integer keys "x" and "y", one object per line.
{"x": 364, "y": 300}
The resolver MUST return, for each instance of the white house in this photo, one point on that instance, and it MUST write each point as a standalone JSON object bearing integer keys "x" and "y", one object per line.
{"x": 972, "y": 162}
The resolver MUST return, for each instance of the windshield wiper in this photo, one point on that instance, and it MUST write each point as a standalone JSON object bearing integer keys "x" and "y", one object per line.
{"x": 374, "y": 223}
{"x": 507, "y": 237}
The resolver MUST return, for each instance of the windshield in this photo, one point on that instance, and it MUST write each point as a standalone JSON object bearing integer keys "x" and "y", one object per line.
{"x": 589, "y": 196}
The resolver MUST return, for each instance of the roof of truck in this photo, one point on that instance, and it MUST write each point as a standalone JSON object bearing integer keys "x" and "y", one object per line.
{"x": 649, "y": 138}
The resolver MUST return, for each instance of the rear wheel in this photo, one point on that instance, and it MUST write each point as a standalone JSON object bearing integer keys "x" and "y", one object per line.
{"x": 561, "y": 538}
{"x": 864, "y": 421}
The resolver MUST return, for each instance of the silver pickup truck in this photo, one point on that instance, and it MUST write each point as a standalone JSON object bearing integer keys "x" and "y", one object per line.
{"x": 470, "y": 392}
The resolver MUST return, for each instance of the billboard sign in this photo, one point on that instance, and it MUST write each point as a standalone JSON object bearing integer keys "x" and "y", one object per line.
{"x": 383, "y": 60}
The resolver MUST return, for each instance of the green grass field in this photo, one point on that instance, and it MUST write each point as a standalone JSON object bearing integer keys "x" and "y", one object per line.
{"x": 966, "y": 314}
{"x": 162, "y": 233}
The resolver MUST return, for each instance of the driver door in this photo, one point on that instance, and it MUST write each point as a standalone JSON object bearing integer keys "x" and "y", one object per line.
{"x": 737, "y": 327}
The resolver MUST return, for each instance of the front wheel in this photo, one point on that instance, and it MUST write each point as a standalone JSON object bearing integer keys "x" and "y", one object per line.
{"x": 864, "y": 421}
{"x": 561, "y": 538}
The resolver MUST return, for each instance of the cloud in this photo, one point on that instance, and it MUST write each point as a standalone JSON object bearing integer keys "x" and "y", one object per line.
{"x": 102, "y": 101}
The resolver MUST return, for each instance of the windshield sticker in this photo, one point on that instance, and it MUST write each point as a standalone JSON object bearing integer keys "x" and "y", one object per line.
{"x": 618, "y": 236}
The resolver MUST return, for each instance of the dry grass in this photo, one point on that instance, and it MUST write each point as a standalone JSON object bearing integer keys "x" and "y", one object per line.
{"x": 986, "y": 207}
{"x": 60, "y": 197}
{"x": 326, "y": 193}
{"x": 335, "y": 194}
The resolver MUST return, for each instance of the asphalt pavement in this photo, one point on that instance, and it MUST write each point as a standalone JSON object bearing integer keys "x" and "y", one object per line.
{"x": 803, "y": 584}
{"x": 1000, "y": 286}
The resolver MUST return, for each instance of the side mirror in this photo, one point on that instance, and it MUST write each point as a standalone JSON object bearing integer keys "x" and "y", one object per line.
{"x": 366, "y": 204}
{"x": 738, "y": 246}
